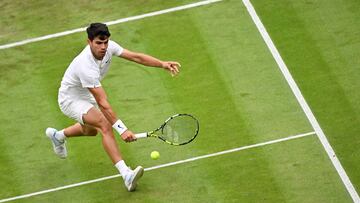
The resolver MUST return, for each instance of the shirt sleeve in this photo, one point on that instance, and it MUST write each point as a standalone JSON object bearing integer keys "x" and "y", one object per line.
{"x": 89, "y": 78}
{"x": 114, "y": 48}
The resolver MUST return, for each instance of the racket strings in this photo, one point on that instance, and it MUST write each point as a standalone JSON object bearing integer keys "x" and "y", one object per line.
{"x": 180, "y": 129}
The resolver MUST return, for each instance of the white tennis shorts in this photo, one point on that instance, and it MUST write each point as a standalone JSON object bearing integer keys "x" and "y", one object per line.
{"x": 75, "y": 109}
{"x": 75, "y": 102}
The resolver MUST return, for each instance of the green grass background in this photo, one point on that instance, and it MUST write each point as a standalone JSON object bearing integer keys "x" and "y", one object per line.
{"x": 320, "y": 44}
{"x": 229, "y": 80}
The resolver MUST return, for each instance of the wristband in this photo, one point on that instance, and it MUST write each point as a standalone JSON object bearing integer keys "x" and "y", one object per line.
{"x": 119, "y": 126}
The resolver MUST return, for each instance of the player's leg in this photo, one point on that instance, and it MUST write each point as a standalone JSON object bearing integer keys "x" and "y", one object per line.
{"x": 80, "y": 130}
{"x": 90, "y": 119}
{"x": 58, "y": 137}
{"x": 73, "y": 109}
{"x": 96, "y": 118}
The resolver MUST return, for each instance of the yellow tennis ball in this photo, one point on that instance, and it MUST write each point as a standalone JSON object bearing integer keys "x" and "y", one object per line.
{"x": 155, "y": 155}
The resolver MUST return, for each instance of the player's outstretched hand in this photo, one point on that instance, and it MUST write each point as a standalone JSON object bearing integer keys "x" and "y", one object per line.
{"x": 172, "y": 66}
{"x": 128, "y": 136}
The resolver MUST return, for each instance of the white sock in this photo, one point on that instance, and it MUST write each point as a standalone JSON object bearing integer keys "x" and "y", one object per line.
{"x": 60, "y": 135}
{"x": 122, "y": 167}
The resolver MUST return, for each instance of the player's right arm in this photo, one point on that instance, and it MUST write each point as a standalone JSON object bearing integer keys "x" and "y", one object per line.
{"x": 106, "y": 109}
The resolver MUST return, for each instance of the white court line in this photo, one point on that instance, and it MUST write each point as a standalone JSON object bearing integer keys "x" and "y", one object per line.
{"x": 122, "y": 20}
{"x": 162, "y": 166}
{"x": 295, "y": 89}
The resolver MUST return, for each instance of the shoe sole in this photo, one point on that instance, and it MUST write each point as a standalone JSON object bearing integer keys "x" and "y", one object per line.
{"x": 139, "y": 171}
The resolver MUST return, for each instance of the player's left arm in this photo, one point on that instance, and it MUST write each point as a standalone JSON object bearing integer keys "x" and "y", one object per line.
{"x": 172, "y": 66}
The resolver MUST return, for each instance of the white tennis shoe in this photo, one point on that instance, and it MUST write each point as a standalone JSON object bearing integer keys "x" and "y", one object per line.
{"x": 58, "y": 146}
{"x": 132, "y": 177}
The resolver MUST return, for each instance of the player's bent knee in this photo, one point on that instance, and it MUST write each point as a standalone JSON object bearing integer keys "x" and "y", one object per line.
{"x": 99, "y": 121}
{"x": 105, "y": 126}
{"x": 106, "y": 130}
{"x": 91, "y": 132}
{"x": 88, "y": 130}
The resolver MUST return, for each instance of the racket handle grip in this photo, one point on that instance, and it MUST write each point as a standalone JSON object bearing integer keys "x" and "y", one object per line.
{"x": 140, "y": 135}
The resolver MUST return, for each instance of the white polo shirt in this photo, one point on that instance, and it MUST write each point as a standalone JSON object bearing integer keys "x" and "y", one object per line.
{"x": 86, "y": 72}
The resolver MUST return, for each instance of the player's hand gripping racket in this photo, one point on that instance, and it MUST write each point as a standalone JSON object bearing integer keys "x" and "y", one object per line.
{"x": 177, "y": 130}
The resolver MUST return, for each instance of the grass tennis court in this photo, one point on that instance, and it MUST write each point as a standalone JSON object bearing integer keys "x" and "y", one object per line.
{"x": 229, "y": 81}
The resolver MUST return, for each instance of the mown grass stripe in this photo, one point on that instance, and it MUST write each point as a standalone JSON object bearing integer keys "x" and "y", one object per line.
{"x": 160, "y": 166}
{"x": 118, "y": 21}
{"x": 316, "y": 126}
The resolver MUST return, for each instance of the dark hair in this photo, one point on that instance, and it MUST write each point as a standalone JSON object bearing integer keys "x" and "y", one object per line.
{"x": 97, "y": 30}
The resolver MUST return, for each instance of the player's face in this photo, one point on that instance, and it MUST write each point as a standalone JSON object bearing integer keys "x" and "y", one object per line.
{"x": 98, "y": 47}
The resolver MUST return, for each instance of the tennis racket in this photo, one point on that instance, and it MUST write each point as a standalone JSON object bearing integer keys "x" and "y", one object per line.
{"x": 179, "y": 129}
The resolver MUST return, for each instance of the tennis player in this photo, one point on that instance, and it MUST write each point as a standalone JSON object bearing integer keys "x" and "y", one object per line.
{"x": 82, "y": 98}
